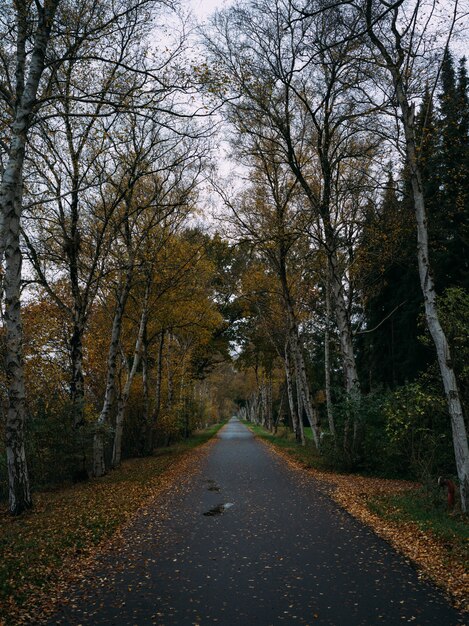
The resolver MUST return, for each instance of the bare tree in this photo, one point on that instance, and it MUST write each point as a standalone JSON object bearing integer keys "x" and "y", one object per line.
{"x": 291, "y": 84}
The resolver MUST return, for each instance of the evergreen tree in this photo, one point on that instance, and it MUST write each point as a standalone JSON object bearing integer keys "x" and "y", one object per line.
{"x": 449, "y": 216}
{"x": 390, "y": 352}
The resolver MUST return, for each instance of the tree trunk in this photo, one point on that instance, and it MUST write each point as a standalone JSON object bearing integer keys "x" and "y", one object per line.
{"x": 280, "y": 411}
{"x": 327, "y": 363}
{"x": 18, "y": 479}
{"x": 169, "y": 397}
{"x": 11, "y": 192}
{"x": 299, "y": 405}
{"x": 99, "y": 466}
{"x": 159, "y": 380}
{"x": 291, "y": 399}
{"x": 270, "y": 420}
{"x": 122, "y": 404}
{"x": 458, "y": 426}
{"x": 303, "y": 387}
{"x": 77, "y": 387}
{"x": 147, "y": 425}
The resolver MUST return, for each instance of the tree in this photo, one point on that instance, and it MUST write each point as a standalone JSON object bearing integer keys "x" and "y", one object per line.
{"x": 101, "y": 39}
{"x": 389, "y": 36}
{"x": 290, "y": 84}
{"x": 391, "y": 352}
{"x": 33, "y": 22}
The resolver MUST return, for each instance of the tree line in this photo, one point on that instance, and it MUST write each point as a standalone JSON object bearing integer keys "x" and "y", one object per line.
{"x": 106, "y": 286}
{"x": 351, "y": 124}
{"x": 335, "y": 295}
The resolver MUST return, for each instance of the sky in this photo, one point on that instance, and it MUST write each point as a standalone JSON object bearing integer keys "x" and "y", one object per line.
{"x": 203, "y": 8}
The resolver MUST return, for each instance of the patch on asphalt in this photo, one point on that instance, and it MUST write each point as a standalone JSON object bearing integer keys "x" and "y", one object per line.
{"x": 218, "y": 510}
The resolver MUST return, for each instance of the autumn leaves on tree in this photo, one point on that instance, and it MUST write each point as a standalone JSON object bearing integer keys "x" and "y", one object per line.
{"x": 336, "y": 284}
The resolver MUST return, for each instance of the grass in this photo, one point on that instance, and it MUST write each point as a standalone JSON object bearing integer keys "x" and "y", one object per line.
{"x": 424, "y": 508}
{"x": 73, "y": 521}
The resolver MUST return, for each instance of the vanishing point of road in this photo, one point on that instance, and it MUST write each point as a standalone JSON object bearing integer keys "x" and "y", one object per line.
{"x": 246, "y": 540}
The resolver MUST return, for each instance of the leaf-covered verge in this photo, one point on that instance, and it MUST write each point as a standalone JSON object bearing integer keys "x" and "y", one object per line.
{"x": 400, "y": 511}
{"x": 41, "y": 550}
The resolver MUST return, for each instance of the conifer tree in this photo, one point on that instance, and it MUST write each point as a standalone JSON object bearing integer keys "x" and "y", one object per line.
{"x": 451, "y": 212}
{"x": 391, "y": 353}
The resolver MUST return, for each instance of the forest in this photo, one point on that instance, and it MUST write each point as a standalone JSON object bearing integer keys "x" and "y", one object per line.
{"x": 264, "y": 216}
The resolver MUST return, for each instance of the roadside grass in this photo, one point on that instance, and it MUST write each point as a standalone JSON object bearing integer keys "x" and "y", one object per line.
{"x": 413, "y": 517}
{"x": 71, "y": 521}
{"x": 423, "y": 508}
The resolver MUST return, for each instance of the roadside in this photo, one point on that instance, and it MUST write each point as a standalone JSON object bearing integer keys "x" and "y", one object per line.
{"x": 434, "y": 540}
{"x": 44, "y": 550}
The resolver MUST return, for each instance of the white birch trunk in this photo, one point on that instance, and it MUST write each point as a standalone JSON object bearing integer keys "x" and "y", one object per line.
{"x": 11, "y": 192}
{"x": 18, "y": 479}
{"x": 124, "y": 396}
{"x": 458, "y": 426}
{"x": 345, "y": 331}
{"x": 302, "y": 381}
{"x": 352, "y": 385}
{"x": 327, "y": 363}
{"x": 291, "y": 398}
{"x": 299, "y": 405}
{"x": 99, "y": 464}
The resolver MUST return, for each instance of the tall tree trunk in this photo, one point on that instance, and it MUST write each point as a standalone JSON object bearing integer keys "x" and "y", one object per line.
{"x": 147, "y": 426}
{"x": 322, "y": 208}
{"x": 18, "y": 479}
{"x": 299, "y": 405}
{"x": 263, "y": 404}
{"x": 327, "y": 363}
{"x": 77, "y": 387}
{"x": 159, "y": 380}
{"x": 11, "y": 193}
{"x": 280, "y": 410}
{"x": 291, "y": 399}
{"x": 169, "y": 368}
{"x": 302, "y": 381}
{"x": 458, "y": 426}
{"x": 124, "y": 396}
{"x": 99, "y": 465}
{"x": 297, "y": 354}
{"x": 270, "y": 420}
{"x": 352, "y": 385}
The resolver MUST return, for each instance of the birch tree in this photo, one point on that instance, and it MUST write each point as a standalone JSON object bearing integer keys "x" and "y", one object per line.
{"x": 35, "y": 49}
{"x": 268, "y": 215}
{"x": 291, "y": 84}
{"x": 153, "y": 210}
{"x": 400, "y": 35}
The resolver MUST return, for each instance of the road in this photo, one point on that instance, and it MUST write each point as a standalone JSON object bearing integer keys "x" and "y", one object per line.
{"x": 247, "y": 540}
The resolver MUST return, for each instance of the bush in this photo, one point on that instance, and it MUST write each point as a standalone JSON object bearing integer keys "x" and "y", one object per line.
{"x": 417, "y": 426}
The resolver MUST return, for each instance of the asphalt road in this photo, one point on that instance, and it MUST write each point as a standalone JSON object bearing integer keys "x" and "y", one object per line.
{"x": 272, "y": 549}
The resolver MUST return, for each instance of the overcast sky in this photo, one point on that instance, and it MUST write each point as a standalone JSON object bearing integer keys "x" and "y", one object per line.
{"x": 203, "y": 8}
